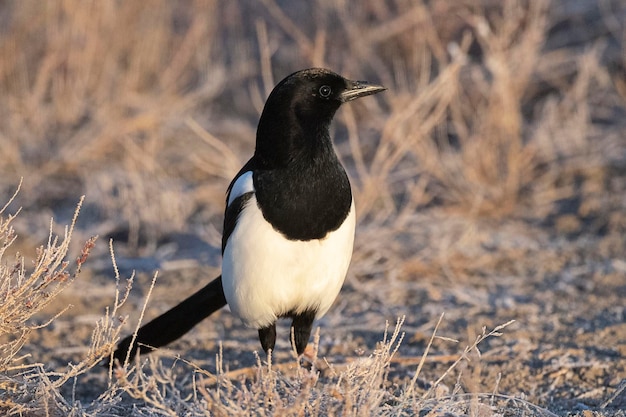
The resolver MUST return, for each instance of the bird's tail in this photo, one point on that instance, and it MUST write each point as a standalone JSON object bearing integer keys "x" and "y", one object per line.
{"x": 175, "y": 322}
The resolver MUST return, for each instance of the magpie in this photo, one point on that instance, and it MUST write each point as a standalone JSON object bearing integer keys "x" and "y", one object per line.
{"x": 289, "y": 221}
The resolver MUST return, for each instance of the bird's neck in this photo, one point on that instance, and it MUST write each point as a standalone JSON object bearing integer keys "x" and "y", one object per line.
{"x": 285, "y": 143}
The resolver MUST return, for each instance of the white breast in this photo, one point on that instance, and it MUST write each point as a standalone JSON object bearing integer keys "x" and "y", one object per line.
{"x": 264, "y": 275}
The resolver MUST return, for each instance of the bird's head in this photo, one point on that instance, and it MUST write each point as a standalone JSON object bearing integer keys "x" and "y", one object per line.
{"x": 316, "y": 94}
{"x": 301, "y": 107}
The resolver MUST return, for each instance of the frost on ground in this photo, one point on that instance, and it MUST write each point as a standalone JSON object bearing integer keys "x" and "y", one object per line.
{"x": 488, "y": 276}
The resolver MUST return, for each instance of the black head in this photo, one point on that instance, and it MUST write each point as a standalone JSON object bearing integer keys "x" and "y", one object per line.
{"x": 299, "y": 110}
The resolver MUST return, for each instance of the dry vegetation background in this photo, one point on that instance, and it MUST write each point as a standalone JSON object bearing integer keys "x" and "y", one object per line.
{"x": 490, "y": 181}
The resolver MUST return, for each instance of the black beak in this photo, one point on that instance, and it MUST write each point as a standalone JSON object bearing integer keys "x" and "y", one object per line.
{"x": 358, "y": 89}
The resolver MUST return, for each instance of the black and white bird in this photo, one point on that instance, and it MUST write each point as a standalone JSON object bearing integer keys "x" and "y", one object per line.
{"x": 289, "y": 221}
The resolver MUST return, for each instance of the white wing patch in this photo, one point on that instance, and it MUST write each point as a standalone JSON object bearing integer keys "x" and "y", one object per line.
{"x": 244, "y": 184}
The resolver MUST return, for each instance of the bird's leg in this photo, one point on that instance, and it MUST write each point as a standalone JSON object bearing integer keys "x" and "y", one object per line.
{"x": 267, "y": 336}
{"x": 301, "y": 327}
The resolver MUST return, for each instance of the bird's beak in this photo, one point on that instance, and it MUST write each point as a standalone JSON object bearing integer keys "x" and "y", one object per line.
{"x": 358, "y": 89}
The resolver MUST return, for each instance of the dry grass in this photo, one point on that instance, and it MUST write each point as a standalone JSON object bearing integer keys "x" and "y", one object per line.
{"x": 118, "y": 110}
{"x": 32, "y": 389}
{"x": 24, "y": 294}
{"x": 495, "y": 141}
{"x": 355, "y": 388}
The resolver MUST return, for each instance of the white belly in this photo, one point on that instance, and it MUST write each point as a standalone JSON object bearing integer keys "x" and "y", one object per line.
{"x": 265, "y": 275}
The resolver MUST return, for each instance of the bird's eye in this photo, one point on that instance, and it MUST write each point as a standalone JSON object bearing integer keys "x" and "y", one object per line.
{"x": 325, "y": 91}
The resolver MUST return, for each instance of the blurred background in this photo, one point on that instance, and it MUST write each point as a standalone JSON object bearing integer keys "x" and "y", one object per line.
{"x": 493, "y": 108}
{"x": 489, "y": 179}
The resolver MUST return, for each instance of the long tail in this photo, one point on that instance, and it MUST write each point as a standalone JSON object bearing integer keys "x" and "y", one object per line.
{"x": 175, "y": 322}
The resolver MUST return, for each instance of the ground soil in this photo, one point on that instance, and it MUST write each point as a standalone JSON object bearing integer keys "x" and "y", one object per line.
{"x": 565, "y": 350}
